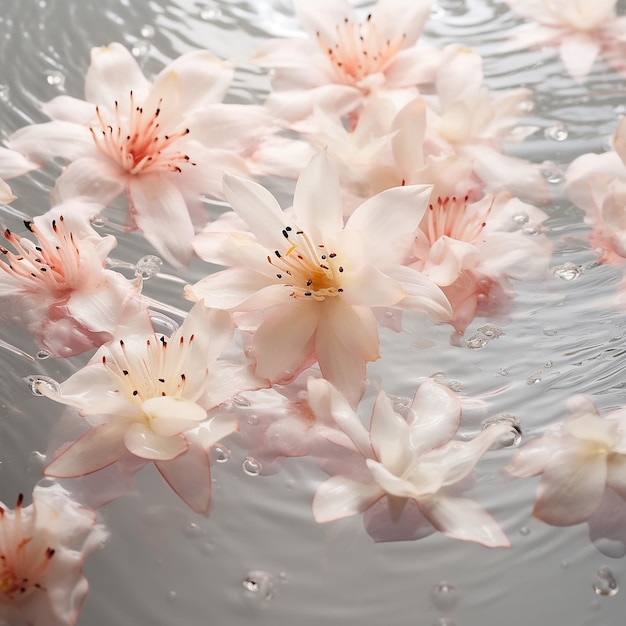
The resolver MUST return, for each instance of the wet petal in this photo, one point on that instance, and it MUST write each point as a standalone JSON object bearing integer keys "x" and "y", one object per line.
{"x": 170, "y": 415}
{"x": 355, "y": 327}
{"x": 141, "y": 441}
{"x": 92, "y": 179}
{"x": 42, "y": 142}
{"x": 341, "y": 497}
{"x": 390, "y": 436}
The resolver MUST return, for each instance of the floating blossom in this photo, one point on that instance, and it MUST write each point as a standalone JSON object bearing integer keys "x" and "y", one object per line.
{"x": 313, "y": 280}
{"x": 348, "y": 58}
{"x": 473, "y": 250}
{"x": 42, "y": 549}
{"x": 413, "y": 463}
{"x": 577, "y": 460}
{"x": 163, "y": 144}
{"x": 149, "y": 396}
{"x": 57, "y": 286}
{"x": 12, "y": 164}
{"x": 583, "y": 30}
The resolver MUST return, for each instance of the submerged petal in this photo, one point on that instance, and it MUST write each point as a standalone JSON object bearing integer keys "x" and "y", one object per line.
{"x": 141, "y": 441}
{"x": 340, "y": 497}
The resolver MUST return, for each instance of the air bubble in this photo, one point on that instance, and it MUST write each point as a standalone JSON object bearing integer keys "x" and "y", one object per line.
{"x": 524, "y": 531}
{"x": 444, "y": 596}
{"x": 604, "y": 583}
{"x": 253, "y": 420}
{"x": 42, "y": 355}
{"x": 548, "y": 364}
{"x": 141, "y": 49}
{"x": 259, "y": 584}
{"x": 568, "y": 271}
{"x": 530, "y": 230}
{"x": 534, "y": 378}
{"x": 251, "y": 466}
{"x": 556, "y": 132}
{"x": 147, "y": 31}
{"x": 483, "y": 336}
{"x": 552, "y": 174}
{"x": 511, "y": 439}
{"x": 36, "y": 381}
{"x": 210, "y": 11}
{"x": 241, "y": 401}
{"x": 55, "y": 78}
{"x": 192, "y": 530}
{"x": 525, "y": 107}
{"x": 221, "y": 452}
{"x": 148, "y": 266}
{"x": 98, "y": 222}
{"x": 520, "y": 219}
{"x": 437, "y": 13}
{"x": 620, "y": 110}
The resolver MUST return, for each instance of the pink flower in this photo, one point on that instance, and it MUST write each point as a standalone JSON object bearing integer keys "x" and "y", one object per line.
{"x": 312, "y": 281}
{"x": 408, "y": 462}
{"x": 150, "y": 396}
{"x": 42, "y": 549}
{"x": 347, "y": 57}
{"x": 57, "y": 286}
{"x": 582, "y": 30}
{"x": 577, "y": 461}
{"x": 473, "y": 250}
{"x": 163, "y": 144}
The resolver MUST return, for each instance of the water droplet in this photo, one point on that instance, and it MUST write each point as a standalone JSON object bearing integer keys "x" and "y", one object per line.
{"x": 455, "y": 385}
{"x": 253, "y": 420}
{"x": 552, "y": 173}
{"x": 548, "y": 364}
{"x": 444, "y": 596}
{"x": 35, "y": 383}
{"x": 98, "y": 222}
{"x": 503, "y": 371}
{"x": 4, "y": 93}
{"x": 210, "y": 11}
{"x": 568, "y": 271}
{"x": 148, "y": 266}
{"x": 483, "y": 336}
{"x": 530, "y": 230}
{"x": 514, "y": 436}
{"x": 241, "y": 401}
{"x": 520, "y": 218}
{"x": 163, "y": 324}
{"x": 437, "y": 13}
{"x": 42, "y": 355}
{"x": 550, "y": 332}
{"x": 259, "y": 584}
{"x": 283, "y": 577}
{"x": 534, "y": 378}
{"x": 251, "y": 466}
{"x": 527, "y": 106}
{"x": 147, "y": 31}
{"x": 141, "y": 49}
{"x": 619, "y": 110}
{"x": 524, "y": 531}
{"x": 55, "y": 78}
{"x": 476, "y": 341}
{"x": 490, "y": 331}
{"x": 221, "y": 452}
{"x": 556, "y": 132}
{"x": 604, "y": 583}
{"x": 192, "y": 530}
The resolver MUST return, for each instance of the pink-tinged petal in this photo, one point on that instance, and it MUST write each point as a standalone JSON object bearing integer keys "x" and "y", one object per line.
{"x": 6, "y": 195}
{"x": 284, "y": 341}
{"x": 292, "y": 52}
{"x": 383, "y": 521}
{"x": 413, "y": 66}
{"x": 578, "y": 53}
{"x": 355, "y": 327}
{"x": 414, "y": 14}
{"x": 97, "y": 448}
{"x": 141, "y": 441}
{"x": 189, "y": 475}
{"x": 389, "y": 434}
{"x": 170, "y": 415}
{"x": 410, "y": 127}
{"x": 258, "y": 208}
{"x": 161, "y": 215}
{"x": 226, "y": 381}
{"x": 344, "y": 369}
{"x": 216, "y": 428}
{"x": 326, "y": 401}
{"x": 317, "y": 199}
{"x": 448, "y": 258}
{"x": 423, "y": 482}
{"x": 340, "y": 497}
{"x": 388, "y": 221}
{"x": 572, "y": 485}
{"x": 463, "y": 519}
{"x": 616, "y": 477}
{"x": 435, "y": 416}
{"x": 112, "y": 75}
{"x": 42, "y": 142}
{"x": 194, "y": 79}
{"x": 619, "y": 141}
{"x": 323, "y": 17}
{"x": 593, "y": 428}
{"x": 69, "y": 109}
{"x": 92, "y": 179}
{"x": 369, "y": 286}
{"x": 533, "y": 457}
{"x": 238, "y": 289}
{"x": 14, "y": 164}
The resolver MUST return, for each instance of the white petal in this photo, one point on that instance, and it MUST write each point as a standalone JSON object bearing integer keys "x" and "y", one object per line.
{"x": 42, "y": 142}
{"x": 463, "y": 519}
{"x": 69, "y": 109}
{"x": 578, "y": 53}
{"x": 171, "y": 416}
{"x": 407, "y": 144}
{"x": 14, "y": 164}
{"x": 324, "y": 17}
{"x": 533, "y": 457}
{"x": 420, "y": 484}
{"x": 355, "y": 327}
{"x": 215, "y": 429}
{"x": 369, "y": 286}
{"x": 341, "y": 497}
{"x": 226, "y": 381}
{"x": 6, "y": 195}
{"x": 141, "y": 441}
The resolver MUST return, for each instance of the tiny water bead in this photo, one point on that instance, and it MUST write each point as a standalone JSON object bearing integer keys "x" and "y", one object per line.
{"x": 259, "y": 584}
{"x": 192, "y": 530}
{"x": 534, "y": 378}
{"x": 147, "y": 31}
{"x": 524, "y": 531}
{"x": 209, "y": 11}
{"x": 36, "y": 381}
{"x": 148, "y": 266}
{"x": 604, "y": 583}
{"x": 567, "y": 271}
{"x": 520, "y": 219}
{"x": 556, "y": 132}
{"x": 221, "y": 453}
{"x": 484, "y": 335}
{"x": 42, "y": 355}
{"x": 444, "y": 596}
{"x": 141, "y": 49}
{"x": 99, "y": 222}
{"x": 55, "y": 78}
{"x": 251, "y": 466}
{"x": 511, "y": 439}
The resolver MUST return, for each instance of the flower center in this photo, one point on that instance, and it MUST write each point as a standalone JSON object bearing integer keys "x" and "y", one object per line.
{"x": 21, "y": 563}
{"x": 360, "y": 50}
{"x": 310, "y": 271}
{"x": 137, "y": 142}
{"x": 451, "y": 217}
{"x": 54, "y": 264}
{"x": 156, "y": 372}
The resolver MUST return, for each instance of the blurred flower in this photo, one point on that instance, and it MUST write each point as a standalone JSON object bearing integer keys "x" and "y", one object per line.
{"x": 58, "y": 287}
{"x": 413, "y": 460}
{"x": 42, "y": 550}
{"x": 314, "y": 280}
{"x": 12, "y": 164}
{"x": 577, "y": 461}
{"x": 150, "y": 396}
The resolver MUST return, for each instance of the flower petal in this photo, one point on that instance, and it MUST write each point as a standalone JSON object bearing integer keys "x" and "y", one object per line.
{"x": 423, "y": 482}
{"x": 42, "y": 142}
{"x": 215, "y": 429}
{"x": 355, "y": 327}
{"x": 578, "y": 53}
{"x": 170, "y": 415}
{"x": 340, "y": 497}
{"x": 141, "y": 441}
{"x": 14, "y": 164}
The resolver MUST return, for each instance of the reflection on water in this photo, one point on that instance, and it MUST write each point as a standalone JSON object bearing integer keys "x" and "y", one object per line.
{"x": 259, "y": 557}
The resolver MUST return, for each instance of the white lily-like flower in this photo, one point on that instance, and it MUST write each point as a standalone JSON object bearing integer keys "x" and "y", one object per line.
{"x": 347, "y": 58}
{"x": 42, "y": 550}
{"x": 577, "y": 461}
{"x": 313, "y": 279}
{"x": 162, "y": 143}
{"x": 150, "y": 396}
{"x": 58, "y": 287}
{"x": 413, "y": 459}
